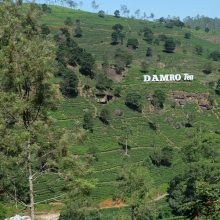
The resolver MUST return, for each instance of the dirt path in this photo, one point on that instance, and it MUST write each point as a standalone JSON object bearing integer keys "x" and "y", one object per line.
{"x": 48, "y": 216}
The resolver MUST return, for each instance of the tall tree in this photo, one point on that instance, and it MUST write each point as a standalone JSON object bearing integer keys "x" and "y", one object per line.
{"x": 134, "y": 184}
{"x": 26, "y": 94}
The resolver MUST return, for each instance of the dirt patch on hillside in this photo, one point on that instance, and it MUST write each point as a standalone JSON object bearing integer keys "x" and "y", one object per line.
{"x": 182, "y": 98}
{"x": 56, "y": 27}
{"x": 111, "y": 74}
{"x": 212, "y": 39}
{"x": 56, "y": 203}
{"x": 109, "y": 203}
{"x": 47, "y": 216}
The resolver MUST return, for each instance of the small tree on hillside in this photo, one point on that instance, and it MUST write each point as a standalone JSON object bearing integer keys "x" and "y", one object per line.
{"x": 68, "y": 21}
{"x": 149, "y": 52}
{"x": 169, "y": 45}
{"x": 188, "y": 35}
{"x": 199, "y": 50}
{"x": 87, "y": 63}
{"x": 159, "y": 98}
{"x": 133, "y": 101}
{"x": 148, "y": 35}
{"x": 133, "y": 43}
{"x": 117, "y": 36}
{"x": 88, "y": 121}
{"x": 218, "y": 87}
{"x": 105, "y": 116}
{"x": 45, "y": 30}
{"x": 69, "y": 86}
{"x": 117, "y": 13}
{"x": 78, "y": 30}
{"x": 46, "y": 9}
{"x": 144, "y": 67}
{"x": 101, "y": 14}
{"x": 207, "y": 68}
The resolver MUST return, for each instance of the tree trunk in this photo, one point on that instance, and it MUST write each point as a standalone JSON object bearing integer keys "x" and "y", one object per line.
{"x": 126, "y": 147}
{"x": 31, "y": 191}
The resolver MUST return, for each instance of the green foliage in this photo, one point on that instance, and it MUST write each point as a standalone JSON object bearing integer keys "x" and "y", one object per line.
{"x": 29, "y": 139}
{"x": 88, "y": 121}
{"x": 80, "y": 187}
{"x": 188, "y": 35}
{"x": 117, "y": 91}
{"x": 217, "y": 89}
{"x": 2, "y": 212}
{"x": 134, "y": 184}
{"x": 101, "y": 14}
{"x": 45, "y": 30}
{"x": 117, "y": 13}
{"x": 68, "y": 21}
{"x": 102, "y": 82}
{"x": 159, "y": 98}
{"x": 124, "y": 56}
{"x": 148, "y": 35}
{"x": 169, "y": 45}
{"x": 149, "y": 52}
{"x": 207, "y": 69}
{"x": 46, "y": 9}
{"x": 105, "y": 115}
{"x": 215, "y": 55}
{"x": 162, "y": 157}
{"x": 198, "y": 50}
{"x": 133, "y": 43}
{"x": 194, "y": 195}
{"x": 170, "y": 23}
{"x": 144, "y": 66}
{"x": 69, "y": 86}
{"x": 78, "y": 29}
{"x": 133, "y": 101}
{"x": 87, "y": 63}
{"x": 117, "y": 36}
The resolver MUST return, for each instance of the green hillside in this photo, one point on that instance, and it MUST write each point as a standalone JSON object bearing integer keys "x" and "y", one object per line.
{"x": 152, "y": 128}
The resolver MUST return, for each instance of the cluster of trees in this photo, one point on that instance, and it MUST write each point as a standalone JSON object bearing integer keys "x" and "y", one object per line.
{"x": 171, "y": 22}
{"x": 202, "y": 22}
{"x": 69, "y": 53}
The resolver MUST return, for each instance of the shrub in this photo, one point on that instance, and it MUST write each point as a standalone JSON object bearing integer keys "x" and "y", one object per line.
{"x": 159, "y": 98}
{"x": 198, "y": 50}
{"x": 117, "y": 13}
{"x": 149, "y": 52}
{"x": 169, "y": 45}
{"x": 117, "y": 91}
{"x": 88, "y": 121}
{"x": 188, "y": 35}
{"x": 162, "y": 157}
{"x": 133, "y": 101}
{"x": 207, "y": 69}
{"x": 45, "y": 30}
{"x": 101, "y": 14}
{"x": 148, "y": 35}
{"x": 68, "y": 21}
{"x": 103, "y": 83}
{"x": 215, "y": 55}
{"x": 133, "y": 43}
{"x": 218, "y": 87}
{"x": 69, "y": 86}
{"x": 105, "y": 116}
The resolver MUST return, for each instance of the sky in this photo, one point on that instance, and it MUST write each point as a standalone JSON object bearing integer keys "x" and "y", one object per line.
{"x": 161, "y": 8}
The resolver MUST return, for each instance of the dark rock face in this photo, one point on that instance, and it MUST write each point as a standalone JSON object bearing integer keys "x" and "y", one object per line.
{"x": 182, "y": 98}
